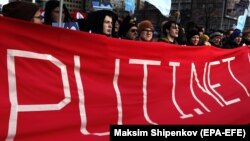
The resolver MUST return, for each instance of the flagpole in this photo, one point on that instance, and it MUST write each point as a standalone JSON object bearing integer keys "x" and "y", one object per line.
{"x": 222, "y": 15}
{"x": 60, "y": 13}
{"x": 178, "y": 14}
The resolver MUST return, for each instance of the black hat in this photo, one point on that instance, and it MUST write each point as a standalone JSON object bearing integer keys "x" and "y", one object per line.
{"x": 95, "y": 20}
{"x": 126, "y": 24}
{"x": 192, "y": 33}
{"x": 20, "y": 10}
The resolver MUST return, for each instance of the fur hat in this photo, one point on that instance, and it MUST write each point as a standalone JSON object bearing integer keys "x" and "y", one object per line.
{"x": 214, "y": 34}
{"x": 145, "y": 24}
{"x": 126, "y": 24}
{"x": 20, "y": 10}
{"x": 192, "y": 33}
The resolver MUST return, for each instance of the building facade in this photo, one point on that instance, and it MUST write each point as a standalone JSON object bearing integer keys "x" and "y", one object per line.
{"x": 211, "y": 14}
{"x": 214, "y": 14}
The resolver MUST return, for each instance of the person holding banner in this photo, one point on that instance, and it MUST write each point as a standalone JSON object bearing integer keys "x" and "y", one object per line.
{"x": 193, "y": 38}
{"x": 234, "y": 40}
{"x": 128, "y": 28}
{"x": 246, "y": 38}
{"x": 170, "y": 30}
{"x": 23, "y": 11}
{"x": 146, "y": 31}
{"x": 102, "y": 22}
{"x": 216, "y": 39}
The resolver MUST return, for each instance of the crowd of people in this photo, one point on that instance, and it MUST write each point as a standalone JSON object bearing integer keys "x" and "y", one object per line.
{"x": 110, "y": 24}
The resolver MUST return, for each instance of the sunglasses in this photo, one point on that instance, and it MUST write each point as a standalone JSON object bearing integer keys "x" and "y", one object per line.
{"x": 133, "y": 30}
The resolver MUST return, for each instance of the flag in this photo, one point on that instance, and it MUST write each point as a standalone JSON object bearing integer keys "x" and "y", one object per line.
{"x": 164, "y": 6}
{"x": 130, "y": 6}
{"x": 248, "y": 10}
{"x": 242, "y": 20}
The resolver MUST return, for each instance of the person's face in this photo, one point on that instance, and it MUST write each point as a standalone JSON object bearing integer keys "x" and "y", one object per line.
{"x": 37, "y": 17}
{"x": 173, "y": 31}
{"x": 146, "y": 34}
{"x": 238, "y": 40}
{"x": 117, "y": 26}
{"x": 217, "y": 40}
{"x": 247, "y": 37}
{"x": 55, "y": 14}
{"x": 195, "y": 39}
{"x": 107, "y": 25}
{"x": 132, "y": 33}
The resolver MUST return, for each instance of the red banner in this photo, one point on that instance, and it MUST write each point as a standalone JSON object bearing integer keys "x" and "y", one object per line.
{"x": 59, "y": 84}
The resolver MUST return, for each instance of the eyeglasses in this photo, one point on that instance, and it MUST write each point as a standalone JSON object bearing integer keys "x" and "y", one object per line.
{"x": 38, "y": 17}
{"x": 148, "y": 30}
{"x": 133, "y": 30}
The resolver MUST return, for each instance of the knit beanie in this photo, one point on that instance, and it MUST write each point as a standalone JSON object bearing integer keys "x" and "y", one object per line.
{"x": 20, "y": 10}
{"x": 145, "y": 24}
{"x": 192, "y": 33}
{"x": 236, "y": 33}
